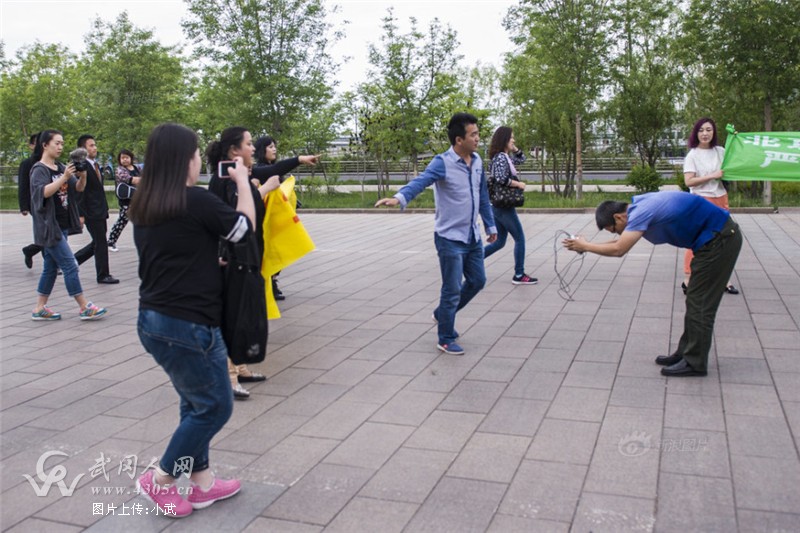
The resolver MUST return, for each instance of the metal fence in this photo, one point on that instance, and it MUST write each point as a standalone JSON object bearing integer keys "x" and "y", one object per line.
{"x": 369, "y": 169}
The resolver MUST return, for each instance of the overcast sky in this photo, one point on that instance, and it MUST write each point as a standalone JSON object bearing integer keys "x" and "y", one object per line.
{"x": 478, "y": 24}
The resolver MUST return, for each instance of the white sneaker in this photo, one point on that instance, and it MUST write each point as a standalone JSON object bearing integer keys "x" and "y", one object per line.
{"x": 113, "y": 247}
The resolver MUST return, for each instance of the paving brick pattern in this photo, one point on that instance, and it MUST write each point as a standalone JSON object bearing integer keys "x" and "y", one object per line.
{"x": 555, "y": 419}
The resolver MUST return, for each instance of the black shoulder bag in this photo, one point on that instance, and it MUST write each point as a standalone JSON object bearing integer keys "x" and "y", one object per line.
{"x": 244, "y": 314}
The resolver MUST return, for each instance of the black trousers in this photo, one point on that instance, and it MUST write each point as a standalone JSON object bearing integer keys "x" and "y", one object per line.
{"x": 98, "y": 247}
{"x": 31, "y": 249}
{"x": 712, "y": 267}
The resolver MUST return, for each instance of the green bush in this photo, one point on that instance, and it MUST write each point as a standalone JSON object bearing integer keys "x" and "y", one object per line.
{"x": 679, "y": 179}
{"x": 644, "y": 178}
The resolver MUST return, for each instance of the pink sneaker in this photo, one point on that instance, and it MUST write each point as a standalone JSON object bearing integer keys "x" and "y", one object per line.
{"x": 166, "y": 498}
{"x": 221, "y": 489}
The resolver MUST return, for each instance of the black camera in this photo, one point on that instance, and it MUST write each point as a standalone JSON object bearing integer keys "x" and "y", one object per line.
{"x": 78, "y": 158}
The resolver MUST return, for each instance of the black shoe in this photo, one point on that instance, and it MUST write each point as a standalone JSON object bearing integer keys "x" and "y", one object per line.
{"x": 277, "y": 292}
{"x": 28, "y": 259}
{"x": 240, "y": 393}
{"x": 730, "y": 289}
{"x": 108, "y": 280}
{"x": 252, "y": 378}
{"x": 667, "y": 360}
{"x": 684, "y": 287}
{"x": 681, "y": 369}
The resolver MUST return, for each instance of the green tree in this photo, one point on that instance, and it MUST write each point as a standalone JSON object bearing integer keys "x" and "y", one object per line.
{"x": 555, "y": 77}
{"x": 134, "y": 83}
{"x": 266, "y": 65}
{"x": 644, "y": 75}
{"x": 38, "y": 90}
{"x": 743, "y": 60}
{"x": 413, "y": 92}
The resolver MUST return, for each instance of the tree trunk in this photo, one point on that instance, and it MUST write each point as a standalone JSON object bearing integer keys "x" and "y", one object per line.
{"x": 544, "y": 165}
{"x": 766, "y": 195}
{"x": 578, "y": 160}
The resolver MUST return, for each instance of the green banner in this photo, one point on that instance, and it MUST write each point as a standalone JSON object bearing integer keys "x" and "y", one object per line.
{"x": 763, "y": 156}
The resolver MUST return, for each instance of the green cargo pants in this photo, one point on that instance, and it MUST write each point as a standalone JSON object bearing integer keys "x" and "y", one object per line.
{"x": 712, "y": 267}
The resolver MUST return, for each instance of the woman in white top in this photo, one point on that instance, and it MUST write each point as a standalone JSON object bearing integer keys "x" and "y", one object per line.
{"x": 702, "y": 173}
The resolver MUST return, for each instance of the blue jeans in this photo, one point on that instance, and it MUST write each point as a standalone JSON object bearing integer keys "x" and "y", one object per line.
{"x": 457, "y": 260}
{"x": 507, "y": 221}
{"x": 55, "y": 257}
{"x": 196, "y": 360}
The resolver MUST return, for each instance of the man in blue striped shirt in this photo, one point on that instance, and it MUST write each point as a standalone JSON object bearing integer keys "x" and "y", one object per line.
{"x": 460, "y": 193}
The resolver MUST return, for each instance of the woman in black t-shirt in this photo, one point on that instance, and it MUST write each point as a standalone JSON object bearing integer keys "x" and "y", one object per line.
{"x": 237, "y": 142}
{"x": 55, "y": 216}
{"x": 177, "y": 227}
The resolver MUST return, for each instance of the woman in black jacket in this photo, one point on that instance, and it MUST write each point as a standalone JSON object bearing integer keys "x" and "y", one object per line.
{"x": 237, "y": 142}
{"x": 267, "y": 165}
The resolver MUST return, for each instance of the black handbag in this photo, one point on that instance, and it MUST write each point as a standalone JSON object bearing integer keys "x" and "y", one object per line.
{"x": 244, "y": 313}
{"x": 504, "y": 196}
{"x": 124, "y": 191}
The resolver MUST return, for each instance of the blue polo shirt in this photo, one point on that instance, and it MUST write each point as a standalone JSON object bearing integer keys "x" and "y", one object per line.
{"x": 677, "y": 218}
{"x": 460, "y": 193}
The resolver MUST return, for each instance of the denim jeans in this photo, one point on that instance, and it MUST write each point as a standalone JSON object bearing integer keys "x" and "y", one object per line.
{"x": 196, "y": 360}
{"x": 457, "y": 260}
{"x": 55, "y": 257}
{"x": 507, "y": 221}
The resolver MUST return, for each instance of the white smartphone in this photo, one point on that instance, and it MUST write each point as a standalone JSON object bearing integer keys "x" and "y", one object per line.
{"x": 222, "y": 168}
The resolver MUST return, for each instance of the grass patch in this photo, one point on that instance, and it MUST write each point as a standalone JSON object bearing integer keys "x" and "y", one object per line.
{"x": 784, "y": 194}
{"x": 533, "y": 199}
{"x": 9, "y": 200}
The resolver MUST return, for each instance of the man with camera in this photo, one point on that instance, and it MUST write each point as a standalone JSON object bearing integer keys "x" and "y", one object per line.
{"x": 94, "y": 210}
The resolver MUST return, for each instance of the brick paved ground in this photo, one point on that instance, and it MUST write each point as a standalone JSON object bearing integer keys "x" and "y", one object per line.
{"x": 555, "y": 418}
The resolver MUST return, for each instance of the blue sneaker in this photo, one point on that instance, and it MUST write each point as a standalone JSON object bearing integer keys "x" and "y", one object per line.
{"x": 451, "y": 348}
{"x": 436, "y": 321}
{"x": 45, "y": 313}
{"x": 92, "y": 312}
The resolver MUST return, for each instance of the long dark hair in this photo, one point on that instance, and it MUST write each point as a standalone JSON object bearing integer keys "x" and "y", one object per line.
{"x": 500, "y": 140}
{"x": 38, "y": 149}
{"x": 261, "y": 149}
{"x": 694, "y": 142}
{"x": 218, "y": 150}
{"x": 161, "y": 195}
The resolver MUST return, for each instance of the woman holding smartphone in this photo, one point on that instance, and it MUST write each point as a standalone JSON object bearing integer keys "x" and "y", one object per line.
{"x": 177, "y": 227}
{"x": 236, "y": 142}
